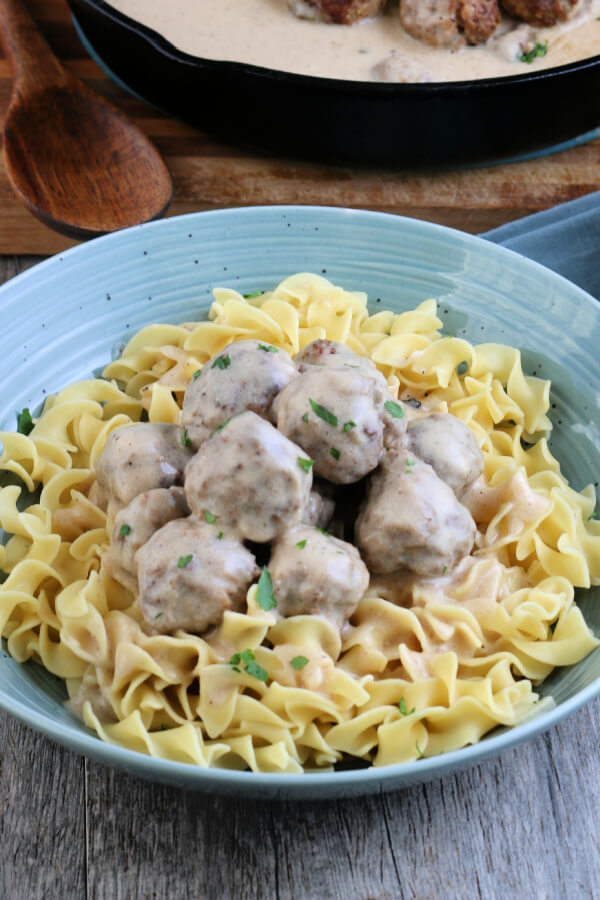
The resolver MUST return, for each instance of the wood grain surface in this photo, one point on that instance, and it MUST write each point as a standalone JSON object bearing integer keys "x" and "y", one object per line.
{"x": 209, "y": 175}
{"x": 523, "y": 826}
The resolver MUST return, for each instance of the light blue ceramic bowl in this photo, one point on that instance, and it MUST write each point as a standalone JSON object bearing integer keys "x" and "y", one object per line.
{"x": 64, "y": 317}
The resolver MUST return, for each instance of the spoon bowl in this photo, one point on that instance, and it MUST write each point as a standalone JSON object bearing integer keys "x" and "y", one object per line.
{"x": 73, "y": 159}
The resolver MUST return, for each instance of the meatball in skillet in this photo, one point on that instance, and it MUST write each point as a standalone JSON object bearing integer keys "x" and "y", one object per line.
{"x": 448, "y": 446}
{"x": 543, "y": 13}
{"x": 135, "y": 524}
{"x": 337, "y": 12}
{"x": 316, "y": 574}
{"x": 447, "y": 23}
{"x": 139, "y": 458}
{"x": 412, "y": 520}
{"x": 251, "y": 478}
{"x": 189, "y": 576}
{"x": 245, "y": 375}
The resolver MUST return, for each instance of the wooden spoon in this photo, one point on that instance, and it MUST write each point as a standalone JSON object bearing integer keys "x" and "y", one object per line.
{"x": 73, "y": 159}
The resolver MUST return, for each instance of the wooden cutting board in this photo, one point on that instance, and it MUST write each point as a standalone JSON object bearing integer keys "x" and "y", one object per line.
{"x": 208, "y": 174}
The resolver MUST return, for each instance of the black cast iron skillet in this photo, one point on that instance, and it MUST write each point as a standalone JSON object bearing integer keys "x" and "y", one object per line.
{"x": 432, "y": 125}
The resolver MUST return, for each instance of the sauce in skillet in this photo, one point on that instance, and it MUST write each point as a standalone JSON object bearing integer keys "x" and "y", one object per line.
{"x": 266, "y": 33}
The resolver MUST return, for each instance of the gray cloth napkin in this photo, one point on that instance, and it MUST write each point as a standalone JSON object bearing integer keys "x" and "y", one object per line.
{"x": 565, "y": 238}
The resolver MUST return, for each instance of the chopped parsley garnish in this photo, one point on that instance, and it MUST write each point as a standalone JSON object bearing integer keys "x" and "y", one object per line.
{"x": 220, "y": 427}
{"x": 537, "y": 50}
{"x": 268, "y": 348}
{"x": 305, "y": 464}
{"x": 158, "y": 615}
{"x": 124, "y": 530}
{"x": 264, "y": 594}
{"x": 444, "y": 570}
{"x": 185, "y": 438}
{"x": 394, "y": 409}
{"x": 305, "y": 417}
{"x": 251, "y": 295}
{"x": 334, "y": 452}
{"x": 164, "y": 727}
{"x": 322, "y": 530}
{"x": 222, "y": 362}
{"x": 410, "y": 462}
{"x": 301, "y": 544}
{"x": 348, "y": 426}
{"x": 298, "y": 662}
{"x": 220, "y": 536}
{"x": 419, "y": 751}
{"x": 351, "y": 366}
{"x": 209, "y": 517}
{"x": 462, "y": 368}
{"x": 403, "y": 709}
{"x": 183, "y": 561}
{"x": 248, "y": 660}
{"x": 323, "y": 413}
{"x": 196, "y": 374}
{"x": 24, "y": 422}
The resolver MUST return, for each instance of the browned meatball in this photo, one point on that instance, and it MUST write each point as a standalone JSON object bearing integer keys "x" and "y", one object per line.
{"x": 448, "y": 446}
{"x": 245, "y": 375}
{"x": 135, "y": 524}
{"x": 140, "y": 458}
{"x": 337, "y": 12}
{"x": 317, "y": 574}
{"x": 544, "y": 13}
{"x": 251, "y": 478}
{"x": 319, "y": 510}
{"x": 189, "y": 574}
{"x": 446, "y": 23}
{"x": 412, "y": 520}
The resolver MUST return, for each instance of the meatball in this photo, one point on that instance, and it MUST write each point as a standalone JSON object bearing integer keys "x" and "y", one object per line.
{"x": 446, "y": 23}
{"x": 325, "y": 353}
{"x": 448, "y": 446}
{"x": 251, "y": 478}
{"x": 412, "y": 520}
{"x": 337, "y": 12}
{"x": 189, "y": 574}
{"x": 336, "y": 415}
{"x": 543, "y": 13}
{"x": 316, "y": 574}
{"x": 135, "y": 524}
{"x": 140, "y": 458}
{"x": 319, "y": 510}
{"x": 245, "y": 375}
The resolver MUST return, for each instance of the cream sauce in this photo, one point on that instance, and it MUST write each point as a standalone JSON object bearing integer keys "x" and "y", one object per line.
{"x": 266, "y": 33}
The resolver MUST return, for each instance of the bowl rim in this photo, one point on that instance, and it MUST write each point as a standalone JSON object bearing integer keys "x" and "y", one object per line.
{"x": 168, "y": 49}
{"x": 302, "y": 785}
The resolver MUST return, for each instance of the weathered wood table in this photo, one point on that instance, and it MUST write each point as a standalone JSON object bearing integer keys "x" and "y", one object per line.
{"x": 525, "y": 825}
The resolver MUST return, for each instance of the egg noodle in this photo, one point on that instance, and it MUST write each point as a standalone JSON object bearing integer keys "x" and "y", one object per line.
{"x": 426, "y": 665}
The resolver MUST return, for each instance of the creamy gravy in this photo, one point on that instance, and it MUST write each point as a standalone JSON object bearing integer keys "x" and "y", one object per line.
{"x": 266, "y": 33}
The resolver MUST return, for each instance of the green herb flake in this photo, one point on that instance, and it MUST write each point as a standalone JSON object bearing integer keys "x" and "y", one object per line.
{"x": 444, "y": 570}
{"x": 322, "y": 530}
{"x": 164, "y": 727}
{"x": 334, "y": 452}
{"x": 403, "y": 709}
{"x": 251, "y": 295}
{"x": 323, "y": 413}
{"x": 183, "y": 561}
{"x": 462, "y": 368}
{"x": 305, "y": 464}
{"x": 305, "y": 417}
{"x": 24, "y": 422}
{"x": 348, "y": 426}
{"x": 158, "y": 615}
{"x": 394, "y": 409}
{"x": 298, "y": 662}
{"x": 220, "y": 536}
{"x": 248, "y": 660}
{"x": 185, "y": 438}
{"x": 351, "y": 366}
{"x": 268, "y": 348}
{"x": 220, "y": 427}
{"x": 410, "y": 462}
{"x": 196, "y": 374}
{"x": 264, "y": 594}
{"x": 301, "y": 544}
{"x": 536, "y": 51}
{"x": 222, "y": 362}
{"x": 209, "y": 517}
{"x": 419, "y": 751}
{"x": 124, "y": 530}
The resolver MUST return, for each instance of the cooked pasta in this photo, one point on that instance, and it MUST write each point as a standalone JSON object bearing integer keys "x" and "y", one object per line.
{"x": 425, "y": 665}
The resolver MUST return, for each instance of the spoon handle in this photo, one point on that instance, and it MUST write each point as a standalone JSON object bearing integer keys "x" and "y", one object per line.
{"x": 33, "y": 63}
